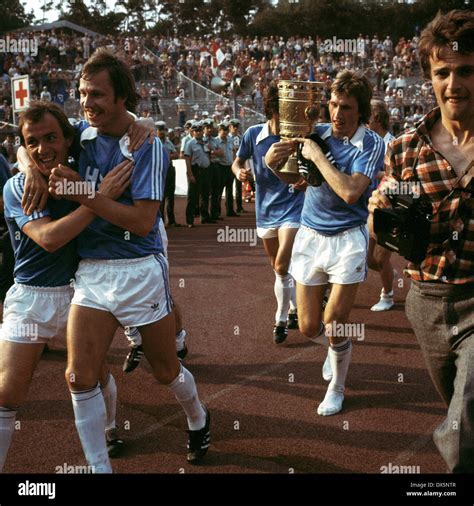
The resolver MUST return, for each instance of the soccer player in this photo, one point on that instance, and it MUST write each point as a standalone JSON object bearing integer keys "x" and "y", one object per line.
{"x": 278, "y": 208}
{"x": 331, "y": 245}
{"x": 379, "y": 257}
{"x": 37, "y": 305}
{"x": 122, "y": 277}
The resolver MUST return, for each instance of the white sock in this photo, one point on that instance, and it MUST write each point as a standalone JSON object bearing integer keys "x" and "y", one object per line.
{"x": 133, "y": 335}
{"x": 109, "y": 391}
{"x": 91, "y": 416}
{"x": 293, "y": 296}
{"x": 321, "y": 337}
{"x": 184, "y": 389}
{"x": 323, "y": 340}
{"x": 327, "y": 369}
{"x": 7, "y": 426}
{"x": 340, "y": 358}
{"x": 284, "y": 285}
{"x": 384, "y": 295}
{"x": 180, "y": 339}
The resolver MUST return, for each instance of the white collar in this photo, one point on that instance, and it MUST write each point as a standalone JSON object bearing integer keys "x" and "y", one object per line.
{"x": 264, "y": 133}
{"x": 91, "y": 133}
{"x": 357, "y": 140}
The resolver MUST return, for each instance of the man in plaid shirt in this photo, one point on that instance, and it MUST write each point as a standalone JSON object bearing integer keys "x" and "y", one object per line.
{"x": 438, "y": 156}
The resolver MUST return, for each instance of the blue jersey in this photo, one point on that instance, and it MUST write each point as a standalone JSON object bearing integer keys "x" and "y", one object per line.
{"x": 34, "y": 266}
{"x": 326, "y": 212}
{"x": 100, "y": 154}
{"x": 275, "y": 202}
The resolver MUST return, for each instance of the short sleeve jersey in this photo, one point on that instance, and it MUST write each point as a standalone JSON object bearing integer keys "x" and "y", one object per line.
{"x": 35, "y": 266}
{"x": 276, "y": 203}
{"x": 326, "y": 212}
{"x": 100, "y": 154}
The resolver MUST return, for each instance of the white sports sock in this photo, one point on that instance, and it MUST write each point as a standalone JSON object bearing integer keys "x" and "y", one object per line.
{"x": 91, "y": 416}
{"x": 340, "y": 358}
{"x": 327, "y": 369}
{"x": 180, "y": 339}
{"x": 384, "y": 295}
{"x": 321, "y": 338}
{"x": 7, "y": 426}
{"x": 293, "y": 296}
{"x": 184, "y": 389}
{"x": 109, "y": 391}
{"x": 133, "y": 335}
{"x": 284, "y": 285}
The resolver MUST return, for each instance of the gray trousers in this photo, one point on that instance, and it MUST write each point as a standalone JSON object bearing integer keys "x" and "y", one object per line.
{"x": 442, "y": 317}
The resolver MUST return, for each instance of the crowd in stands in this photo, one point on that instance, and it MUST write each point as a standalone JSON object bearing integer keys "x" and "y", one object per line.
{"x": 159, "y": 65}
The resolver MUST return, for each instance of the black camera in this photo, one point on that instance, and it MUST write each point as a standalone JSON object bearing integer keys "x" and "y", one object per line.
{"x": 406, "y": 227}
{"x": 308, "y": 170}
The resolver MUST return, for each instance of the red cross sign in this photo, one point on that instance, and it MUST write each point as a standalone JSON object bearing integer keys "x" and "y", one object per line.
{"x": 20, "y": 93}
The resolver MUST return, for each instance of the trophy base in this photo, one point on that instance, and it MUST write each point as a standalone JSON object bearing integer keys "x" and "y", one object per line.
{"x": 289, "y": 172}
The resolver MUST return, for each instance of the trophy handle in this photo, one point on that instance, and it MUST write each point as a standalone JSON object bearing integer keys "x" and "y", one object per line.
{"x": 311, "y": 112}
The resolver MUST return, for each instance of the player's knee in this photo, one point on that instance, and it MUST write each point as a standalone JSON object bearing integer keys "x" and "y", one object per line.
{"x": 166, "y": 373}
{"x": 309, "y": 328}
{"x": 11, "y": 397}
{"x": 79, "y": 381}
{"x": 281, "y": 268}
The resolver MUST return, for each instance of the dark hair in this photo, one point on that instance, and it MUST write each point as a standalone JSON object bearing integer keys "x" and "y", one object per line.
{"x": 120, "y": 75}
{"x": 454, "y": 30}
{"x": 271, "y": 102}
{"x": 380, "y": 113}
{"x": 358, "y": 86}
{"x": 38, "y": 109}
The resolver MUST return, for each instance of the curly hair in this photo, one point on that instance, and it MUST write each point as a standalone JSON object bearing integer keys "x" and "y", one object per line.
{"x": 454, "y": 30}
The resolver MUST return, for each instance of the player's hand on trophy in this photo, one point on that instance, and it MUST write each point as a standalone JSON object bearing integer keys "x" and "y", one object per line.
{"x": 279, "y": 153}
{"x": 310, "y": 150}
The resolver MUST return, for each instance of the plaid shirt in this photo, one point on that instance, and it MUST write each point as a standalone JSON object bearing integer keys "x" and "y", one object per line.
{"x": 450, "y": 255}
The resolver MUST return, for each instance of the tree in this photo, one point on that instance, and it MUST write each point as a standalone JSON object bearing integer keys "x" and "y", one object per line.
{"x": 13, "y": 16}
{"x": 94, "y": 16}
{"x": 220, "y": 17}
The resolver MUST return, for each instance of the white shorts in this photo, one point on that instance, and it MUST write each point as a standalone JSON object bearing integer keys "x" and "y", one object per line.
{"x": 339, "y": 259}
{"x": 269, "y": 233}
{"x": 33, "y": 314}
{"x": 135, "y": 290}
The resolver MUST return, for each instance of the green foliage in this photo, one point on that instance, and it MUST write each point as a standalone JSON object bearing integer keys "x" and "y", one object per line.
{"x": 94, "y": 16}
{"x": 13, "y": 15}
{"x": 221, "y": 17}
{"x": 326, "y": 18}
